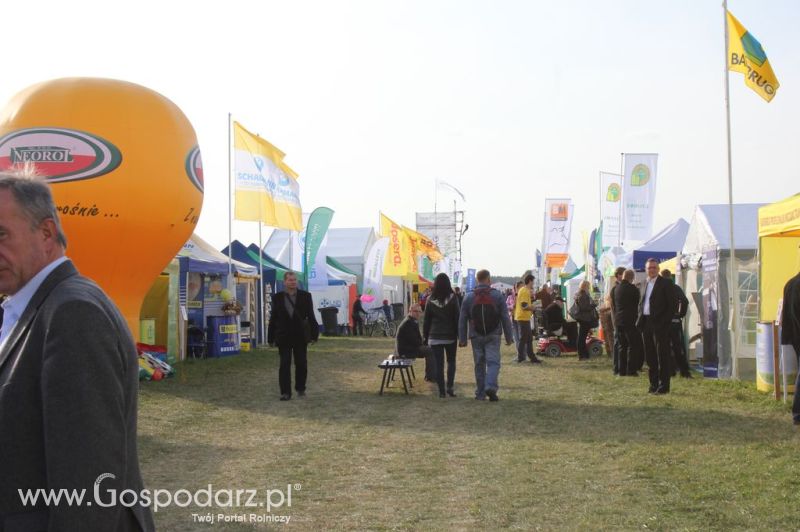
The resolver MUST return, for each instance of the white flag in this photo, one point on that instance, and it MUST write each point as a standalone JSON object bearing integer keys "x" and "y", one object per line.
{"x": 610, "y": 207}
{"x": 638, "y": 196}
{"x": 373, "y": 274}
{"x": 557, "y": 230}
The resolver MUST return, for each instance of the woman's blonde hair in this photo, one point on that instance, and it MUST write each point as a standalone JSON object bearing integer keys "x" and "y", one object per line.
{"x": 585, "y": 285}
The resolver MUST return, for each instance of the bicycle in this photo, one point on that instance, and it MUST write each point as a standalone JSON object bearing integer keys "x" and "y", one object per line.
{"x": 376, "y": 323}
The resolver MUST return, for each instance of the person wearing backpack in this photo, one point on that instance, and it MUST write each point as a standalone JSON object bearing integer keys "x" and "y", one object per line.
{"x": 484, "y": 318}
{"x": 440, "y": 331}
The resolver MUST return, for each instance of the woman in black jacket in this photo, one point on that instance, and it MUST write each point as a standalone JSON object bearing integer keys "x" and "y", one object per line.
{"x": 440, "y": 330}
{"x": 585, "y": 317}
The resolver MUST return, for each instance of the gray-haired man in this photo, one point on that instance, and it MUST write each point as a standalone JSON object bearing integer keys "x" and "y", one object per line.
{"x": 68, "y": 379}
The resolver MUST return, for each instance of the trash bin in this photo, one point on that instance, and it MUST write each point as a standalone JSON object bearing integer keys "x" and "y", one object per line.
{"x": 330, "y": 325}
{"x": 397, "y": 311}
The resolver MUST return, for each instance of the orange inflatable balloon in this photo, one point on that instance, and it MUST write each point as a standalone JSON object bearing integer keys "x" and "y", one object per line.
{"x": 125, "y": 171}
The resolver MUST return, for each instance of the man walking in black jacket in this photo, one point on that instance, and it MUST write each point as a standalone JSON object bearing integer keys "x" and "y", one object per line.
{"x": 656, "y": 308}
{"x": 292, "y": 326}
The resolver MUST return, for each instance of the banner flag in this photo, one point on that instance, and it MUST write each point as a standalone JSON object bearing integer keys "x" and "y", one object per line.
{"x": 638, "y": 196}
{"x": 318, "y": 273}
{"x": 557, "y": 231}
{"x": 297, "y": 247}
{"x": 471, "y": 281}
{"x": 447, "y": 186}
{"x": 373, "y": 273}
{"x": 266, "y": 189}
{"x": 315, "y": 231}
{"x": 610, "y": 203}
{"x": 455, "y": 270}
{"x": 746, "y": 55}
{"x": 397, "y": 263}
{"x": 423, "y": 244}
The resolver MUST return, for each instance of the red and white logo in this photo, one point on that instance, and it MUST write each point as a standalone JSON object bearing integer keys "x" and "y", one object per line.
{"x": 59, "y": 154}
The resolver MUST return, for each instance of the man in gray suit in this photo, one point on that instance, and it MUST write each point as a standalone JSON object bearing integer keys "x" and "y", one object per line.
{"x": 68, "y": 381}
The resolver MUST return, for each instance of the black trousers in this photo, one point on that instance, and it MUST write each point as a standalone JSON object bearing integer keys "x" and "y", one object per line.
{"x": 617, "y": 347}
{"x": 439, "y": 352}
{"x": 525, "y": 344}
{"x": 630, "y": 349}
{"x": 583, "y": 333}
{"x": 657, "y": 353}
{"x": 300, "y": 352}
{"x": 358, "y": 326}
{"x": 678, "y": 348}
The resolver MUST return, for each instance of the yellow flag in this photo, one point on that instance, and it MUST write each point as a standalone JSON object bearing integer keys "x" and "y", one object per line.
{"x": 266, "y": 189}
{"x": 424, "y": 245}
{"x": 396, "y": 263}
{"x": 746, "y": 55}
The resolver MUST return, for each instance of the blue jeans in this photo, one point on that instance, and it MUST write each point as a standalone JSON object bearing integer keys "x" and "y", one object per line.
{"x": 486, "y": 352}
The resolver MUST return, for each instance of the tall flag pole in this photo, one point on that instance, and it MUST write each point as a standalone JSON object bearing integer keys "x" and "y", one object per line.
{"x": 733, "y": 296}
{"x": 230, "y": 199}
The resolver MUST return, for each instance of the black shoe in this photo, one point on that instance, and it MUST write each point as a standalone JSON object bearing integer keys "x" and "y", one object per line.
{"x": 492, "y": 395}
{"x": 796, "y": 421}
{"x": 480, "y": 397}
{"x": 535, "y": 360}
{"x": 661, "y": 391}
{"x": 686, "y": 375}
{"x": 451, "y": 393}
{"x": 442, "y": 395}
{"x": 520, "y": 361}
{"x": 651, "y": 390}
{"x": 285, "y": 397}
{"x": 634, "y": 374}
{"x": 301, "y": 393}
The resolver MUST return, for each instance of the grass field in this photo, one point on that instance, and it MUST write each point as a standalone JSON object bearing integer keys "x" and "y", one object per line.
{"x": 568, "y": 447}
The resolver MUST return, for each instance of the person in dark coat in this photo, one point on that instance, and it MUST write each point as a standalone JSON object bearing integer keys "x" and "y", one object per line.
{"x": 408, "y": 342}
{"x": 69, "y": 379}
{"x": 585, "y": 316}
{"x": 617, "y": 341}
{"x": 790, "y": 331}
{"x": 292, "y": 326}
{"x": 680, "y": 362}
{"x": 626, "y": 310}
{"x": 440, "y": 331}
{"x": 358, "y": 317}
{"x": 656, "y": 308}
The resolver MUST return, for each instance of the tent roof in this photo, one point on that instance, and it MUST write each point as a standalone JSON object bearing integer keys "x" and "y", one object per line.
{"x": 710, "y": 227}
{"x": 667, "y": 243}
{"x": 201, "y": 256}
{"x": 345, "y": 244}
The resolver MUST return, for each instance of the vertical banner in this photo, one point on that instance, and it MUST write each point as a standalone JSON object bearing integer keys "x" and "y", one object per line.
{"x": 557, "y": 231}
{"x": 470, "y": 279}
{"x": 610, "y": 203}
{"x": 316, "y": 228}
{"x": 639, "y": 196}
{"x": 455, "y": 271}
{"x": 373, "y": 274}
{"x": 317, "y": 273}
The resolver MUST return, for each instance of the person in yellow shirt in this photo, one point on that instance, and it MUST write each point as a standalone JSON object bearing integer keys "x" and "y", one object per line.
{"x": 523, "y": 311}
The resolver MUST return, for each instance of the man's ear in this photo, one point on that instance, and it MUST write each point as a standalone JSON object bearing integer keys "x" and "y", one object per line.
{"x": 49, "y": 230}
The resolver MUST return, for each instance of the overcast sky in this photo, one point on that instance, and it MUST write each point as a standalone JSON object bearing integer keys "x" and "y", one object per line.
{"x": 510, "y": 101}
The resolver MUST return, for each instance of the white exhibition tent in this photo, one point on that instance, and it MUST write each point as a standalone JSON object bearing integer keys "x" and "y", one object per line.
{"x": 704, "y": 275}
